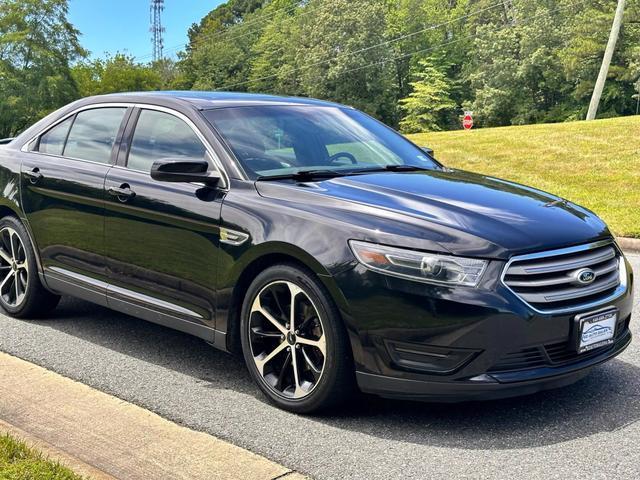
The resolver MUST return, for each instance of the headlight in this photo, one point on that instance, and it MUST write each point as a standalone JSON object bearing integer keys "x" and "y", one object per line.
{"x": 419, "y": 266}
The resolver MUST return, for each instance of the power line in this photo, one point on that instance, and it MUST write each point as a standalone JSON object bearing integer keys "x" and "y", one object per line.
{"x": 262, "y": 22}
{"x": 468, "y": 37}
{"x": 386, "y": 42}
{"x": 396, "y": 39}
{"x": 398, "y": 57}
{"x": 403, "y": 37}
{"x": 228, "y": 30}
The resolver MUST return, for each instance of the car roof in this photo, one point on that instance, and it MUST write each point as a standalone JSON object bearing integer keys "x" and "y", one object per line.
{"x": 207, "y": 100}
{"x": 178, "y": 100}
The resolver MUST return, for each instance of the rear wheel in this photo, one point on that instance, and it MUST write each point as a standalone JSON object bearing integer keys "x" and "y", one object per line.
{"x": 21, "y": 293}
{"x": 293, "y": 341}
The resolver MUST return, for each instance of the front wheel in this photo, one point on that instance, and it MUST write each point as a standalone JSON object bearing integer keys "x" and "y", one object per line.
{"x": 293, "y": 341}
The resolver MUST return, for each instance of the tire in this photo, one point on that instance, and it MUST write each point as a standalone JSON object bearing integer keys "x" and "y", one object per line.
{"x": 29, "y": 298}
{"x": 317, "y": 341}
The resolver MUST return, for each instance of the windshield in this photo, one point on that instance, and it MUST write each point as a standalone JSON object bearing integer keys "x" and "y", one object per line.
{"x": 282, "y": 140}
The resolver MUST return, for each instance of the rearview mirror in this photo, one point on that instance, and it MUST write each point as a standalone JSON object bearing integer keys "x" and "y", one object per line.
{"x": 184, "y": 170}
{"x": 428, "y": 151}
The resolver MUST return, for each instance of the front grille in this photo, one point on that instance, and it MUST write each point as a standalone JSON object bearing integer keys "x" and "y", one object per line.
{"x": 548, "y": 281}
{"x": 560, "y": 353}
{"x": 526, "y": 358}
{"x": 556, "y": 354}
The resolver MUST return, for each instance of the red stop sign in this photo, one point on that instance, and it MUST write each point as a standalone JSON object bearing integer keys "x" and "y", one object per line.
{"x": 467, "y": 122}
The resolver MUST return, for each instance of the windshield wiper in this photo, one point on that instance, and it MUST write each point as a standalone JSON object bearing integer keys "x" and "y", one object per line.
{"x": 304, "y": 175}
{"x": 393, "y": 168}
{"x": 308, "y": 175}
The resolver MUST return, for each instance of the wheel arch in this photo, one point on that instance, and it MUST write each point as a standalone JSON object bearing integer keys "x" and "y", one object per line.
{"x": 9, "y": 210}
{"x": 6, "y": 211}
{"x": 268, "y": 256}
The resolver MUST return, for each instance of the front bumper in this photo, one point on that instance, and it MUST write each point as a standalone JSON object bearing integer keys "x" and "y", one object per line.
{"x": 489, "y": 386}
{"x": 417, "y": 341}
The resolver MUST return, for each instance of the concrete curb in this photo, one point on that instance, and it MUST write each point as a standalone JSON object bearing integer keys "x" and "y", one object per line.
{"x": 629, "y": 244}
{"x": 105, "y": 438}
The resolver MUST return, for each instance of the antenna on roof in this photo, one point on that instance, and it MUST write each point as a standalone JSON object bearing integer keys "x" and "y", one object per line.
{"x": 156, "y": 28}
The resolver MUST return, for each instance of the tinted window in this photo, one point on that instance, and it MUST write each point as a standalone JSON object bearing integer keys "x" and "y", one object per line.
{"x": 93, "y": 134}
{"x": 52, "y": 142}
{"x": 161, "y": 135}
{"x": 276, "y": 140}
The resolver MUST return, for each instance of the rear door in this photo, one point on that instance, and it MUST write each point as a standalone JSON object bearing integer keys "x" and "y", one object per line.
{"x": 62, "y": 188}
{"x": 162, "y": 238}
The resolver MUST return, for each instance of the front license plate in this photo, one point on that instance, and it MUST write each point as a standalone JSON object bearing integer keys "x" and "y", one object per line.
{"x": 596, "y": 330}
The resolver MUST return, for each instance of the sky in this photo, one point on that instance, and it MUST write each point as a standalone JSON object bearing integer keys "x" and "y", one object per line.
{"x": 123, "y": 25}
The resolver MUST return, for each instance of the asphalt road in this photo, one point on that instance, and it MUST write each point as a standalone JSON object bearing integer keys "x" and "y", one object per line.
{"x": 588, "y": 430}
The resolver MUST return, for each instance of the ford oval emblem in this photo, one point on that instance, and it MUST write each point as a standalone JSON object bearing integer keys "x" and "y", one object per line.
{"x": 585, "y": 276}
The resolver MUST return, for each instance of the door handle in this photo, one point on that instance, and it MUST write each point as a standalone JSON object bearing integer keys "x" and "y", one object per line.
{"x": 34, "y": 175}
{"x": 123, "y": 192}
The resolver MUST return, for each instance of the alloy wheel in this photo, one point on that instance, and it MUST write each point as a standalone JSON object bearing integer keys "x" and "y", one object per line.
{"x": 287, "y": 339}
{"x": 14, "y": 271}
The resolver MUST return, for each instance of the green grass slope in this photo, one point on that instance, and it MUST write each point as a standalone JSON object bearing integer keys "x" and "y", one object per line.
{"x": 19, "y": 462}
{"x": 595, "y": 164}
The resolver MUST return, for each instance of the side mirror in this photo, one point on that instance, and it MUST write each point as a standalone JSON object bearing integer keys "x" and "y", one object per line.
{"x": 428, "y": 151}
{"x": 184, "y": 170}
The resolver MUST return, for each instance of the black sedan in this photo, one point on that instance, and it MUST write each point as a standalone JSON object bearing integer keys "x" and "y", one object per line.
{"x": 326, "y": 248}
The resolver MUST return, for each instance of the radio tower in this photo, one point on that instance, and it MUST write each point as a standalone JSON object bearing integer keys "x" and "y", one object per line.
{"x": 156, "y": 28}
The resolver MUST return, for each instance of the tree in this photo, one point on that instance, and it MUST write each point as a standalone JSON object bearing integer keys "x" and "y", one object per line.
{"x": 273, "y": 67}
{"x": 511, "y": 62}
{"x": 493, "y": 76}
{"x": 119, "y": 73}
{"x": 342, "y": 55}
{"x": 429, "y": 99}
{"x": 170, "y": 75}
{"x": 220, "y": 47}
{"x": 37, "y": 47}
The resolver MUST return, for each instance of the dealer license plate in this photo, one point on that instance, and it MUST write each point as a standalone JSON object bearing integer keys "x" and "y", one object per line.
{"x": 596, "y": 330}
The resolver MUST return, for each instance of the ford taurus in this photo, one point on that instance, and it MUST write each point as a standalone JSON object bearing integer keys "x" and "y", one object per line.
{"x": 327, "y": 249}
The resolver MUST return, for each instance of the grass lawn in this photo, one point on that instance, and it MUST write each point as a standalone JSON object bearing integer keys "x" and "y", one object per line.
{"x": 18, "y": 462}
{"x": 595, "y": 164}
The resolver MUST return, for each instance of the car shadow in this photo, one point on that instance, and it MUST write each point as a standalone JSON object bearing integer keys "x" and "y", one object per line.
{"x": 607, "y": 400}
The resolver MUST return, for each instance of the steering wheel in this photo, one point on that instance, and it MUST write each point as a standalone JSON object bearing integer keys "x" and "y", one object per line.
{"x": 260, "y": 163}
{"x": 347, "y": 155}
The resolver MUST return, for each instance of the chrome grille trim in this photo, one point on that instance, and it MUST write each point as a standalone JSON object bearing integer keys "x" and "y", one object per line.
{"x": 552, "y": 267}
{"x": 608, "y": 264}
{"x": 561, "y": 280}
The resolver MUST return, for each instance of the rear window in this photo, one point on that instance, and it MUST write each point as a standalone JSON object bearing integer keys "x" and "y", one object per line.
{"x": 93, "y": 134}
{"x": 52, "y": 142}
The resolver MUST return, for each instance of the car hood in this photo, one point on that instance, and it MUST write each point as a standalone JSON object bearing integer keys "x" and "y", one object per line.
{"x": 465, "y": 213}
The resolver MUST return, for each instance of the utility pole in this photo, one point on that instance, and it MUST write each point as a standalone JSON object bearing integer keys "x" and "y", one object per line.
{"x": 606, "y": 61}
{"x": 156, "y": 28}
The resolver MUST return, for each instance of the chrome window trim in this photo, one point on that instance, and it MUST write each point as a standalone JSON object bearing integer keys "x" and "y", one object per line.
{"x": 65, "y": 117}
{"x": 216, "y": 161}
{"x": 74, "y": 159}
{"x": 620, "y": 290}
{"x": 25, "y": 147}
